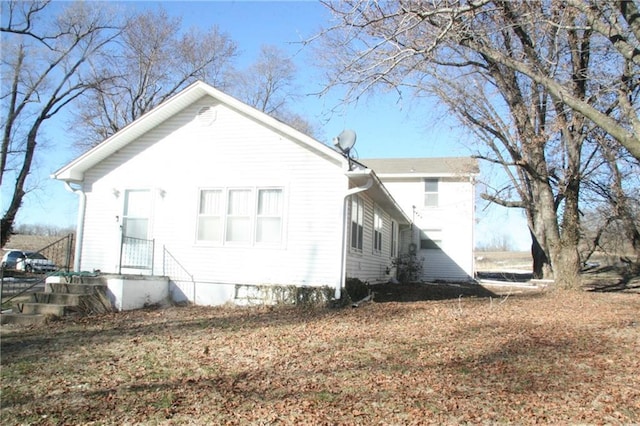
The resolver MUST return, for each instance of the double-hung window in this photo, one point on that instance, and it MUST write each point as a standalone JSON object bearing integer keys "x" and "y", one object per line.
{"x": 210, "y": 215}
{"x": 239, "y": 206}
{"x": 269, "y": 216}
{"x": 377, "y": 231}
{"x": 240, "y": 216}
{"x": 357, "y": 222}
{"x": 431, "y": 192}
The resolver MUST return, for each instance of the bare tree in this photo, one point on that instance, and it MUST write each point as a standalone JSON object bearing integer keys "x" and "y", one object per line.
{"x": 269, "y": 85}
{"x": 613, "y": 203}
{"x": 554, "y": 75}
{"x": 153, "y": 61}
{"x": 387, "y": 40}
{"x": 44, "y": 68}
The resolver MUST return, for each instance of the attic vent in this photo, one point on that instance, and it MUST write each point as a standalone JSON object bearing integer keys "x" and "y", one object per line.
{"x": 206, "y": 116}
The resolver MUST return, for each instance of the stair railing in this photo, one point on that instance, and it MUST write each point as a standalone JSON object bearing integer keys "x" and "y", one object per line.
{"x": 173, "y": 269}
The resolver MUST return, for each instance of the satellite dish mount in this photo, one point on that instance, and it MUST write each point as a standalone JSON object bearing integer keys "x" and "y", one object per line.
{"x": 345, "y": 142}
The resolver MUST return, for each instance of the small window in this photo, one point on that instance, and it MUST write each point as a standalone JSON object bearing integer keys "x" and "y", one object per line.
{"x": 431, "y": 192}
{"x": 357, "y": 222}
{"x": 377, "y": 231}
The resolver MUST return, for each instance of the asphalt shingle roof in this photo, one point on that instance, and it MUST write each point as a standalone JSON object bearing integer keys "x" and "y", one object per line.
{"x": 423, "y": 166}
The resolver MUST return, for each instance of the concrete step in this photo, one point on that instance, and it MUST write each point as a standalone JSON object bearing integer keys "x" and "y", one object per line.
{"x": 45, "y": 308}
{"x": 22, "y": 319}
{"x": 68, "y": 299}
{"x": 74, "y": 288}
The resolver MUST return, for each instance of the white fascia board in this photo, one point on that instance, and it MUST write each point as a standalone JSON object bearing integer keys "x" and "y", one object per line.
{"x": 423, "y": 175}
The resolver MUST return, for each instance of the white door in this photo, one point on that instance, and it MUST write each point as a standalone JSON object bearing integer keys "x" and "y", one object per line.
{"x": 137, "y": 247}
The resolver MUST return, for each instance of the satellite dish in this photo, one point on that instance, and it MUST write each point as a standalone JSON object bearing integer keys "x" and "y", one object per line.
{"x": 345, "y": 140}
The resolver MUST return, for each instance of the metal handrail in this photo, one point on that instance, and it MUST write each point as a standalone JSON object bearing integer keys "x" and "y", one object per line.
{"x": 166, "y": 252}
{"x": 150, "y": 259}
{"x": 38, "y": 282}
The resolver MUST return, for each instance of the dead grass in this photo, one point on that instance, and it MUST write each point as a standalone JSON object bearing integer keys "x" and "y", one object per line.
{"x": 546, "y": 357}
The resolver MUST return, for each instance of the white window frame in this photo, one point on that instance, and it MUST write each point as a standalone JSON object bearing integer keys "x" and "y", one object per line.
{"x": 378, "y": 229}
{"x": 212, "y": 215}
{"x": 431, "y": 197}
{"x": 245, "y": 217}
{"x": 393, "y": 240}
{"x": 356, "y": 236}
{"x": 269, "y": 216}
{"x": 250, "y": 213}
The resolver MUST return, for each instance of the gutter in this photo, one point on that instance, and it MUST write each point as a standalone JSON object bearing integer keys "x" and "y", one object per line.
{"x": 82, "y": 202}
{"x": 343, "y": 260}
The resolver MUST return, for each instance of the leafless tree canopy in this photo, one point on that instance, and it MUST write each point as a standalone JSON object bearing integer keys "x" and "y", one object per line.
{"x": 268, "y": 84}
{"x": 45, "y": 66}
{"x": 400, "y": 43}
{"x": 153, "y": 61}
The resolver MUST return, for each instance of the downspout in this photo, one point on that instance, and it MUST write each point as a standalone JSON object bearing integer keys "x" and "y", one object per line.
{"x": 82, "y": 201}
{"x": 343, "y": 262}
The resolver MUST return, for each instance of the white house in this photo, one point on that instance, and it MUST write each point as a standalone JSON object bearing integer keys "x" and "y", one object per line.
{"x": 439, "y": 195}
{"x": 229, "y": 203}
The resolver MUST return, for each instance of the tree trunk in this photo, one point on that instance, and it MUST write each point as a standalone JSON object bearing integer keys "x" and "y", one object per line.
{"x": 18, "y": 193}
{"x": 540, "y": 259}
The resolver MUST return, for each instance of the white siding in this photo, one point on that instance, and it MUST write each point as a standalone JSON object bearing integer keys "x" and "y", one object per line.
{"x": 181, "y": 156}
{"x": 453, "y": 218}
{"x": 369, "y": 265}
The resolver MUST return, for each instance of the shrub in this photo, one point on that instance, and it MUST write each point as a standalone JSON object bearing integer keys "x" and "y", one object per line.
{"x": 409, "y": 267}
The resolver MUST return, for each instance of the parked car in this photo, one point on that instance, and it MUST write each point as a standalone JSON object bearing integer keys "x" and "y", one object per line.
{"x": 28, "y": 261}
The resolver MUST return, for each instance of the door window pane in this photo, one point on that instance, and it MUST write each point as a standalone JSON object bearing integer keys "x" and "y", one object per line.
{"x": 137, "y": 207}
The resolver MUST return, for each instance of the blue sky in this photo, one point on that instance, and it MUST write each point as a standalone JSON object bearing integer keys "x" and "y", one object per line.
{"x": 385, "y": 127}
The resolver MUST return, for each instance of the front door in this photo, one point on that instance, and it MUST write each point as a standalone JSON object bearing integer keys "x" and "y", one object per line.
{"x": 137, "y": 246}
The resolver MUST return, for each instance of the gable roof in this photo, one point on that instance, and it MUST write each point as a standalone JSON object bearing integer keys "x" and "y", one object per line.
{"x": 423, "y": 167}
{"x": 74, "y": 171}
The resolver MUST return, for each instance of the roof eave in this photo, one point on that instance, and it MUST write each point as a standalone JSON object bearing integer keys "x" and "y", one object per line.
{"x": 379, "y": 193}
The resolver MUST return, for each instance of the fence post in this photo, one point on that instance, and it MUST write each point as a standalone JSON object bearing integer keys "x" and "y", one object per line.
{"x": 153, "y": 254}
{"x": 121, "y": 249}
{"x": 69, "y": 250}
{"x": 1, "y": 284}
